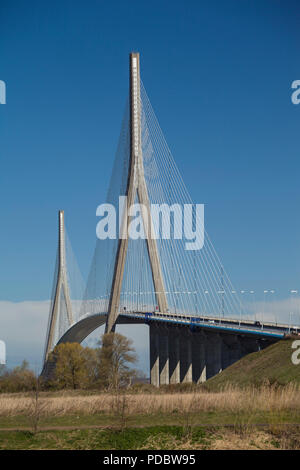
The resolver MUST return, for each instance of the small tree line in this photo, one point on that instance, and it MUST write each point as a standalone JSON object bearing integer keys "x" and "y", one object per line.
{"x": 19, "y": 379}
{"x": 109, "y": 366}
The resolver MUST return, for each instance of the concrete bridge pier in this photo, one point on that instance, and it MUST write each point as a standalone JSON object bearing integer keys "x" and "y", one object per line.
{"x": 226, "y": 360}
{"x": 213, "y": 354}
{"x": 154, "y": 355}
{"x": 186, "y": 359}
{"x": 163, "y": 347}
{"x": 249, "y": 345}
{"x": 199, "y": 357}
{"x": 232, "y": 350}
{"x": 178, "y": 354}
{"x": 174, "y": 355}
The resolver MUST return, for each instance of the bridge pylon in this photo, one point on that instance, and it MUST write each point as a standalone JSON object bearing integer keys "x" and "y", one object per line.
{"x": 136, "y": 187}
{"x": 61, "y": 297}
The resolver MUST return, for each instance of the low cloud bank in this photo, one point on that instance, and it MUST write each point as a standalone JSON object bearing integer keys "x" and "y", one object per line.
{"x": 285, "y": 311}
{"x": 23, "y": 327}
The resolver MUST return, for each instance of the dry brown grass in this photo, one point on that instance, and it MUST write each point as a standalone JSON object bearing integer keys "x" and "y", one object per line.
{"x": 255, "y": 440}
{"x": 229, "y": 439}
{"x": 233, "y": 400}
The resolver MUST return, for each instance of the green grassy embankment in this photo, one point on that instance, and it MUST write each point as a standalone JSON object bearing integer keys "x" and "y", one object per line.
{"x": 272, "y": 365}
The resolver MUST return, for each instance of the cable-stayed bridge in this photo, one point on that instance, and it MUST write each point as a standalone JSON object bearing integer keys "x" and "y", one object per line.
{"x": 197, "y": 323}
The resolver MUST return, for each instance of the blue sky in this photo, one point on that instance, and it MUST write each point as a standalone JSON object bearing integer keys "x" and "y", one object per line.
{"x": 218, "y": 75}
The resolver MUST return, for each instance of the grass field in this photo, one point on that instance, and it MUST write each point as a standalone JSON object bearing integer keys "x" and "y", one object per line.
{"x": 201, "y": 406}
{"x": 254, "y": 404}
{"x": 155, "y": 438}
{"x": 237, "y": 418}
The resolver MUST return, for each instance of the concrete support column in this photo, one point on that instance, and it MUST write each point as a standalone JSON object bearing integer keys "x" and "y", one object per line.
{"x": 235, "y": 350}
{"x": 199, "y": 357}
{"x": 248, "y": 345}
{"x": 232, "y": 350}
{"x": 154, "y": 355}
{"x": 186, "y": 370}
{"x": 225, "y": 353}
{"x": 174, "y": 355}
{"x": 213, "y": 354}
{"x": 218, "y": 353}
{"x": 163, "y": 339}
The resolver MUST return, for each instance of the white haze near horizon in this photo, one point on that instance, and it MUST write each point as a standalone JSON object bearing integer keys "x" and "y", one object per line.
{"x": 23, "y": 328}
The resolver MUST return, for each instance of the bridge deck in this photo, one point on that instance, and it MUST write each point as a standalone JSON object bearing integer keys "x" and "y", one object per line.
{"x": 226, "y": 324}
{"x": 86, "y": 325}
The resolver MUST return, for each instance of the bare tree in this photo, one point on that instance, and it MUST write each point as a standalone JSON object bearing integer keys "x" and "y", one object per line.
{"x": 37, "y": 407}
{"x": 115, "y": 357}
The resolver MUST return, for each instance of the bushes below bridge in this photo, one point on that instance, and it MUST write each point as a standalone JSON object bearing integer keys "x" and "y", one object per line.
{"x": 19, "y": 379}
{"x": 78, "y": 367}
